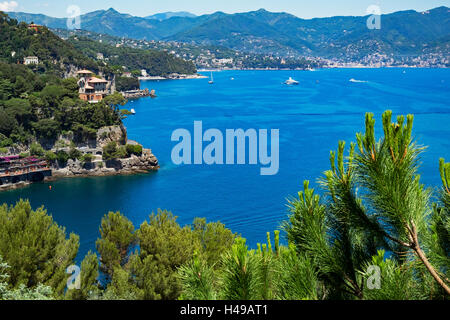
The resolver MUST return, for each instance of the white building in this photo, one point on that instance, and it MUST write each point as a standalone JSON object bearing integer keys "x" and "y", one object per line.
{"x": 30, "y": 60}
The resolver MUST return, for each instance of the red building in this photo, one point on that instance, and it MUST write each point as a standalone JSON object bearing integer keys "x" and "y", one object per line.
{"x": 34, "y": 27}
{"x": 92, "y": 89}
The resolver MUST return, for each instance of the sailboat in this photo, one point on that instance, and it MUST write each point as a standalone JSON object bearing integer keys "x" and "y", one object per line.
{"x": 212, "y": 79}
{"x": 291, "y": 81}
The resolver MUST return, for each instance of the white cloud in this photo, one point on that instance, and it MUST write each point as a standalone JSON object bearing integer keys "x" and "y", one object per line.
{"x": 8, "y": 6}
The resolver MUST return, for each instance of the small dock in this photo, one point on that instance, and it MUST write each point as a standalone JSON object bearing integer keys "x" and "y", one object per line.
{"x": 136, "y": 94}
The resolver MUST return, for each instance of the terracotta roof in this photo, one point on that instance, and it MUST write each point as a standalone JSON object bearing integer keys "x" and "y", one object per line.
{"x": 97, "y": 80}
{"x": 84, "y": 72}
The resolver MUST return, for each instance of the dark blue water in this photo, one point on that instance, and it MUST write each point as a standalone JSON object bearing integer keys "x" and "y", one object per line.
{"x": 312, "y": 117}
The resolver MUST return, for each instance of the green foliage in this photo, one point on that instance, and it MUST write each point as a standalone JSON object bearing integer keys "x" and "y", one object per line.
{"x": 164, "y": 247}
{"x": 214, "y": 238}
{"x": 109, "y": 151}
{"x": 35, "y": 247}
{"x": 5, "y": 141}
{"x": 74, "y": 154}
{"x": 343, "y": 231}
{"x": 113, "y": 151}
{"x": 122, "y": 287}
{"x": 87, "y": 158}
{"x": 88, "y": 282}
{"x": 297, "y": 277}
{"x": 117, "y": 239}
{"x": 37, "y": 150}
{"x": 7, "y": 123}
{"x": 157, "y": 63}
{"x": 43, "y": 44}
{"x": 62, "y": 157}
{"x": 127, "y": 84}
{"x": 396, "y": 282}
{"x": 50, "y": 157}
{"x": 134, "y": 149}
{"x": 47, "y": 107}
{"x": 198, "y": 280}
{"x": 240, "y": 277}
{"x": 46, "y": 128}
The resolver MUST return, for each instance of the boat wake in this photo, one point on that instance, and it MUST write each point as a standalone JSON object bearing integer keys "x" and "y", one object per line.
{"x": 357, "y": 81}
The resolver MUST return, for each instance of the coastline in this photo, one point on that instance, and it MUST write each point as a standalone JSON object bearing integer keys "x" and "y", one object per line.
{"x": 173, "y": 77}
{"x": 145, "y": 164}
{"x": 134, "y": 163}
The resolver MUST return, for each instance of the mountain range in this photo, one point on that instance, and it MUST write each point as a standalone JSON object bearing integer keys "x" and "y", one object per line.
{"x": 168, "y": 15}
{"x": 402, "y": 33}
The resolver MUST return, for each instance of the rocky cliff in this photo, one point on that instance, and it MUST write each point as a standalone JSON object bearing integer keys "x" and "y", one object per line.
{"x": 135, "y": 164}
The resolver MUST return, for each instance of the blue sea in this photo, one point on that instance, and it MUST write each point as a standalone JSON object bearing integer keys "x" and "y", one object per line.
{"x": 312, "y": 117}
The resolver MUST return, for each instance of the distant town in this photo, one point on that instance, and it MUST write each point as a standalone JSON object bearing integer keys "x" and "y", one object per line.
{"x": 206, "y": 57}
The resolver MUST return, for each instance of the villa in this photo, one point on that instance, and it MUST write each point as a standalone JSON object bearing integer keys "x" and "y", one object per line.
{"x": 92, "y": 89}
{"x": 35, "y": 27}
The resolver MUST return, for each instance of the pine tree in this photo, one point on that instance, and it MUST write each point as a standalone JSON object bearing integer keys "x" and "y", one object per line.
{"x": 373, "y": 201}
{"x": 35, "y": 248}
{"x": 116, "y": 242}
{"x": 164, "y": 246}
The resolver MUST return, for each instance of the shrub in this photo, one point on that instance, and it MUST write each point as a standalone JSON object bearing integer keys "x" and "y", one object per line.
{"x": 74, "y": 154}
{"x": 87, "y": 158}
{"x": 3, "y": 150}
{"x": 109, "y": 151}
{"x": 37, "y": 150}
{"x": 62, "y": 156}
{"x": 50, "y": 157}
{"x": 5, "y": 141}
{"x": 126, "y": 84}
{"x": 24, "y": 155}
{"x": 121, "y": 153}
{"x": 134, "y": 149}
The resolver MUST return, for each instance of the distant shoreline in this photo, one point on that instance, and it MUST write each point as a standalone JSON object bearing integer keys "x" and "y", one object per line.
{"x": 321, "y": 68}
{"x": 173, "y": 77}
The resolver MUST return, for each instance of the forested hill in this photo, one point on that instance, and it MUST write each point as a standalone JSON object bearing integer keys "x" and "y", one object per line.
{"x": 402, "y": 33}
{"x": 55, "y": 55}
{"x": 157, "y": 63}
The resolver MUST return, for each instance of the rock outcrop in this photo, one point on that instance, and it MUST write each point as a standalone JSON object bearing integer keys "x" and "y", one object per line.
{"x": 106, "y": 135}
{"x": 135, "y": 164}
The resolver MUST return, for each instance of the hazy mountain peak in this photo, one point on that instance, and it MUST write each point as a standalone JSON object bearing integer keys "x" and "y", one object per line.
{"x": 112, "y": 10}
{"x": 167, "y": 15}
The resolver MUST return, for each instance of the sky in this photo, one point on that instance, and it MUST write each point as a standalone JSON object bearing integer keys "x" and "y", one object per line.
{"x": 302, "y": 8}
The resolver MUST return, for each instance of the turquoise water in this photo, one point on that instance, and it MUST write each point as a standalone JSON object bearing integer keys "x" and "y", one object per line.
{"x": 312, "y": 117}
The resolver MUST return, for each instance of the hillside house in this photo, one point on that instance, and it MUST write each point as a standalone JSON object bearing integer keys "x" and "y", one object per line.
{"x": 92, "y": 89}
{"x": 34, "y": 27}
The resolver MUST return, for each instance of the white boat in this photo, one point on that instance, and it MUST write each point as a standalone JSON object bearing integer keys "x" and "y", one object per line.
{"x": 133, "y": 111}
{"x": 291, "y": 81}
{"x": 212, "y": 79}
